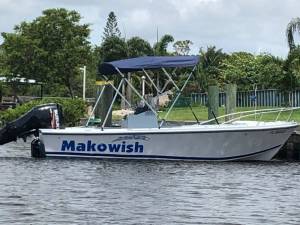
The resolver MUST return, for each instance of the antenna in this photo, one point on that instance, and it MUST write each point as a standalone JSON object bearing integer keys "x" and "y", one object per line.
{"x": 156, "y": 34}
{"x": 155, "y": 53}
{"x": 124, "y": 30}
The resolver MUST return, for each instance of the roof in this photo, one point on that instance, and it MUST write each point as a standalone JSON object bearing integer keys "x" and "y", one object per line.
{"x": 147, "y": 62}
{"x": 20, "y": 80}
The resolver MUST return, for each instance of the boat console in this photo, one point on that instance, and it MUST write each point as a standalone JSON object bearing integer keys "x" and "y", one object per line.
{"x": 146, "y": 119}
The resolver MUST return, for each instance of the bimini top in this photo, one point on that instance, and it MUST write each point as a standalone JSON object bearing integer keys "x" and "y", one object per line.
{"x": 147, "y": 62}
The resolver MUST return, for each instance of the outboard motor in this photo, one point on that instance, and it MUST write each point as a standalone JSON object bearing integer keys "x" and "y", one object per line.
{"x": 42, "y": 116}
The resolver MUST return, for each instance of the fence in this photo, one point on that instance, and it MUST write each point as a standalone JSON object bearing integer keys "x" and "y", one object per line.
{"x": 267, "y": 98}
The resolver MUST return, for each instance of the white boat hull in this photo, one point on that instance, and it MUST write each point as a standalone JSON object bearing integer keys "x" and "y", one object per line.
{"x": 211, "y": 142}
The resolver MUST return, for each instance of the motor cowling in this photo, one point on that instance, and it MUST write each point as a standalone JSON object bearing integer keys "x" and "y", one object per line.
{"x": 42, "y": 116}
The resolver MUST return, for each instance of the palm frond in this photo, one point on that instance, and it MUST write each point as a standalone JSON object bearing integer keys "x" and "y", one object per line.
{"x": 292, "y": 27}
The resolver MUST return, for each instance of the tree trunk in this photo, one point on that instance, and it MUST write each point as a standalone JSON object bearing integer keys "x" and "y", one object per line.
{"x": 69, "y": 86}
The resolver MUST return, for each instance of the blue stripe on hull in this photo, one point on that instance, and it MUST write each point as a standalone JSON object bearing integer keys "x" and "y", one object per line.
{"x": 70, "y": 154}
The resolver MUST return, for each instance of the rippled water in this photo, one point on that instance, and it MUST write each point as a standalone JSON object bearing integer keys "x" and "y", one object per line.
{"x": 69, "y": 191}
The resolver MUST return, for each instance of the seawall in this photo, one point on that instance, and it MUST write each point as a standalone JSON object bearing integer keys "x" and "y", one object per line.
{"x": 291, "y": 150}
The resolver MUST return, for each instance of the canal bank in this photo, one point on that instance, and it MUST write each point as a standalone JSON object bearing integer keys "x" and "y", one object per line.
{"x": 291, "y": 150}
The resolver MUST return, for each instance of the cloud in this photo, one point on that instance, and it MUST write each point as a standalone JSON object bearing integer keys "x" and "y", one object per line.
{"x": 234, "y": 25}
{"x": 140, "y": 18}
{"x": 188, "y": 8}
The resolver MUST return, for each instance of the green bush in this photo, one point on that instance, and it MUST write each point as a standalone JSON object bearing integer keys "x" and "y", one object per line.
{"x": 73, "y": 110}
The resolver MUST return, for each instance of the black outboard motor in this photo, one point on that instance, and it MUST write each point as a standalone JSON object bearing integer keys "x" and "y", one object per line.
{"x": 42, "y": 116}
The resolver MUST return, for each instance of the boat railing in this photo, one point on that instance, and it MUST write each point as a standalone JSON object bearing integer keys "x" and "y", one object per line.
{"x": 257, "y": 114}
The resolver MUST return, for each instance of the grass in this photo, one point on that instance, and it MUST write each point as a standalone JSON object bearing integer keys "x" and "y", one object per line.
{"x": 185, "y": 114}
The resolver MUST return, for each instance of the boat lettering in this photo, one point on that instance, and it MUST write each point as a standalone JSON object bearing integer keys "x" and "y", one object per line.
{"x": 132, "y": 137}
{"x": 90, "y": 146}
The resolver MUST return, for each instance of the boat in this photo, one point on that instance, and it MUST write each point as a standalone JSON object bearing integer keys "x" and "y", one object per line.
{"x": 144, "y": 135}
{"x": 209, "y": 142}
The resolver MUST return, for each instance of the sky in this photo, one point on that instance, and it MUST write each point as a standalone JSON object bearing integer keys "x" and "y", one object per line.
{"x": 255, "y": 26}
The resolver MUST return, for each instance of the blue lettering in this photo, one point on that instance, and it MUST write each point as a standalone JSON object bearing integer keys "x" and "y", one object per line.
{"x": 123, "y": 146}
{"x": 68, "y": 146}
{"x": 80, "y": 147}
{"x": 129, "y": 148}
{"x": 91, "y": 146}
{"x": 138, "y": 147}
{"x": 101, "y": 147}
{"x": 114, "y": 147}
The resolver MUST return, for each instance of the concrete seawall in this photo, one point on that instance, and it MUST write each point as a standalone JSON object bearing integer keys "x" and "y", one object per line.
{"x": 291, "y": 150}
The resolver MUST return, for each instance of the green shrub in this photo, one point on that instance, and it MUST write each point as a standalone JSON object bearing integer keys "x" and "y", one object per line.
{"x": 73, "y": 110}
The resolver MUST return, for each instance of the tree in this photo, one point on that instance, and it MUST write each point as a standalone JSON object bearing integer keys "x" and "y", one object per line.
{"x": 3, "y": 69}
{"x": 138, "y": 47}
{"x": 92, "y": 67}
{"x": 270, "y": 72}
{"x": 240, "y": 68}
{"x": 113, "y": 48}
{"x": 49, "y": 49}
{"x": 292, "y": 27}
{"x": 111, "y": 29}
{"x": 182, "y": 47}
{"x": 208, "y": 70}
{"x": 246, "y": 69}
{"x": 291, "y": 70}
{"x": 160, "y": 48}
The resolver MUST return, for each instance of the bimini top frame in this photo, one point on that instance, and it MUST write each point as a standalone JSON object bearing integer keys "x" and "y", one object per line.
{"x": 122, "y": 67}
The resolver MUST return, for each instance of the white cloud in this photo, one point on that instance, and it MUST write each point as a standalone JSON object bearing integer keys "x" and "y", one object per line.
{"x": 138, "y": 18}
{"x": 186, "y": 8}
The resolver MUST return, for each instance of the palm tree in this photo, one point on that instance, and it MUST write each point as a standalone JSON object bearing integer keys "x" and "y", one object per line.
{"x": 160, "y": 48}
{"x": 292, "y": 27}
{"x": 137, "y": 46}
{"x": 209, "y": 67}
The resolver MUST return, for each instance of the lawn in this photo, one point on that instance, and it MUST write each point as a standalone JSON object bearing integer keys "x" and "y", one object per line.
{"x": 185, "y": 114}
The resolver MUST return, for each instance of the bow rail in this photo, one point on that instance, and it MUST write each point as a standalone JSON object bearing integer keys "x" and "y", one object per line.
{"x": 257, "y": 114}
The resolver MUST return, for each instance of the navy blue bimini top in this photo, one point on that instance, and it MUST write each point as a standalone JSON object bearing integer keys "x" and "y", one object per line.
{"x": 147, "y": 62}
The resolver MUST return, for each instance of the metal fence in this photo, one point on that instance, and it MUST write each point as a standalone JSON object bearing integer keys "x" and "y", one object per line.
{"x": 267, "y": 98}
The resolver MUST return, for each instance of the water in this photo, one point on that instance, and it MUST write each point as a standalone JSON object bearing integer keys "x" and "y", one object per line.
{"x": 70, "y": 191}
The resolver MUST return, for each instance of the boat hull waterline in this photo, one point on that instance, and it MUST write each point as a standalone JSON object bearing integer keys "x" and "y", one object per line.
{"x": 186, "y": 143}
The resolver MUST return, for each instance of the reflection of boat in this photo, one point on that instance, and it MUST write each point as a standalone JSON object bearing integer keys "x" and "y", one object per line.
{"x": 142, "y": 136}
